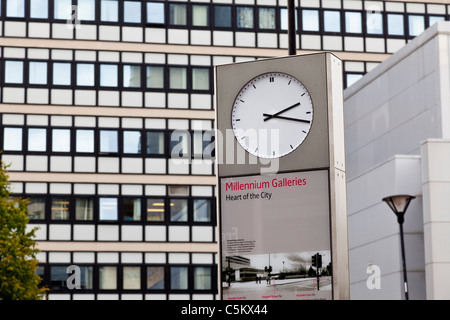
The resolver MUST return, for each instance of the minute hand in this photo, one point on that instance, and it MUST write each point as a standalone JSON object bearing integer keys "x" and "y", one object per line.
{"x": 269, "y": 116}
{"x": 285, "y": 118}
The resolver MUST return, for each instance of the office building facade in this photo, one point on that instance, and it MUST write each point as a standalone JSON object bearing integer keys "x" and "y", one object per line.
{"x": 106, "y": 117}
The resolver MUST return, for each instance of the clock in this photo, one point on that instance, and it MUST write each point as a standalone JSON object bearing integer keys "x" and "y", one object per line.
{"x": 272, "y": 115}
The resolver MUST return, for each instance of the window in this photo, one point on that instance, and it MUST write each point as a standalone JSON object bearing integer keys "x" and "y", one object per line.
{"x": 178, "y": 210}
{"x": 109, "y": 141}
{"x": 37, "y": 139}
{"x": 200, "y": 15}
{"x": 332, "y": 21}
{"x": 84, "y": 209}
{"x": 131, "y": 209}
{"x": 433, "y": 19}
{"x": 131, "y": 76}
{"x": 244, "y": 17}
{"x": 109, "y": 10}
{"x": 200, "y": 79}
{"x": 374, "y": 23}
{"x": 353, "y": 22}
{"x": 178, "y": 78}
{"x": 86, "y": 10}
{"x": 203, "y": 144}
{"x": 395, "y": 24}
{"x": 13, "y": 71}
{"x": 177, "y": 14}
{"x": 86, "y": 277}
{"x": 131, "y": 278}
{"x": 61, "y": 140}
{"x": 36, "y": 208}
{"x": 12, "y": 139}
{"x": 310, "y": 20}
{"x": 38, "y": 73}
{"x": 58, "y": 277}
{"x": 39, "y": 9}
{"x": 63, "y": 9}
{"x": 266, "y": 18}
{"x": 416, "y": 25}
{"x": 132, "y": 142}
{"x": 84, "y": 141}
{"x": 202, "y": 210}
{"x": 155, "y": 209}
{"x": 85, "y": 74}
{"x": 107, "y": 278}
{"x": 60, "y": 208}
{"x": 155, "y": 12}
{"x": 132, "y": 11}
{"x": 108, "y": 208}
{"x": 108, "y": 75}
{"x": 222, "y": 16}
{"x": 155, "y": 142}
{"x": 178, "y": 278}
{"x": 62, "y": 74}
{"x": 155, "y": 77}
{"x": 352, "y": 78}
{"x": 15, "y": 8}
{"x": 155, "y": 278}
{"x": 179, "y": 143}
{"x": 202, "y": 278}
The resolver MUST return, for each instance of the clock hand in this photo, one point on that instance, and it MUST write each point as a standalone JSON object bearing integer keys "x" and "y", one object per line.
{"x": 284, "y": 118}
{"x": 279, "y": 112}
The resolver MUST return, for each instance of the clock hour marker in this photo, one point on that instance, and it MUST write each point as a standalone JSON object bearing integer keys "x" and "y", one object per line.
{"x": 303, "y": 131}
{"x": 308, "y": 112}
{"x": 303, "y": 94}
{"x": 254, "y": 86}
{"x": 238, "y": 119}
{"x": 271, "y": 79}
{"x": 291, "y": 146}
{"x": 273, "y": 153}
{"x": 289, "y": 82}
{"x": 256, "y": 149}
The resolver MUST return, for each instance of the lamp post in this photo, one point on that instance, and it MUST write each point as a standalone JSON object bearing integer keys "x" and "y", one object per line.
{"x": 399, "y": 204}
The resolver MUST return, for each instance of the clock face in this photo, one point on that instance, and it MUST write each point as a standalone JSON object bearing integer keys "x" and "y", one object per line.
{"x": 272, "y": 115}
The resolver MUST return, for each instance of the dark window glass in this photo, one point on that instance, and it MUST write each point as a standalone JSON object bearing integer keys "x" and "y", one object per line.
{"x": 155, "y": 142}
{"x": 177, "y": 14}
{"x": 179, "y": 278}
{"x": 36, "y": 208}
{"x": 60, "y": 207}
{"x": 244, "y": 17}
{"x": 131, "y": 209}
{"x": 155, "y": 278}
{"x": 179, "y": 210}
{"x": 222, "y": 16}
{"x": 155, "y": 209}
{"x": 84, "y": 209}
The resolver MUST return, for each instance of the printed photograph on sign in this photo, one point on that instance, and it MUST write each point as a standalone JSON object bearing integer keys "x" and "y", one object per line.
{"x": 276, "y": 237}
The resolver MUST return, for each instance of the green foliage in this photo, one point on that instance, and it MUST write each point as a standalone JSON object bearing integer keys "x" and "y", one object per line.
{"x": 18, "y": 263}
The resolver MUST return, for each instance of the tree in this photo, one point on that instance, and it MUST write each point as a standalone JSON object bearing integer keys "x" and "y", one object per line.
{"x": 18, "y": 263}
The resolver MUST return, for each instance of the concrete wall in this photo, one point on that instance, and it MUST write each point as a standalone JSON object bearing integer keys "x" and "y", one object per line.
{"x": 436, "y": 216}
{"x": 390, "y": 112}
{"x": 398, "y": 105}
{"x": 374, "y": 235}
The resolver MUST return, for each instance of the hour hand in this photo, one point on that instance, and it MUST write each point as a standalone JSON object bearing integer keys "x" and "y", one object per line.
{"x": 269, "y": 116}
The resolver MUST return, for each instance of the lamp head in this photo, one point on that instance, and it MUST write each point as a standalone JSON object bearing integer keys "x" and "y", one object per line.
{"x": 399, "y": 204}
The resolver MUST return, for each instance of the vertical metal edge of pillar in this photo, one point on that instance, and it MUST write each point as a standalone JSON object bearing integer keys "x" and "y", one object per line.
{"x": 337, "y": 179}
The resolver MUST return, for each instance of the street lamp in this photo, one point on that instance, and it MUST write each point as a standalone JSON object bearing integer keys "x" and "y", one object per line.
{"x": 399, "y": 204}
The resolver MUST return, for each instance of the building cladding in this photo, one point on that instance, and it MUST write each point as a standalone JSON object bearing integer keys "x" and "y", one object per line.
{"x": 97, "y": 95}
